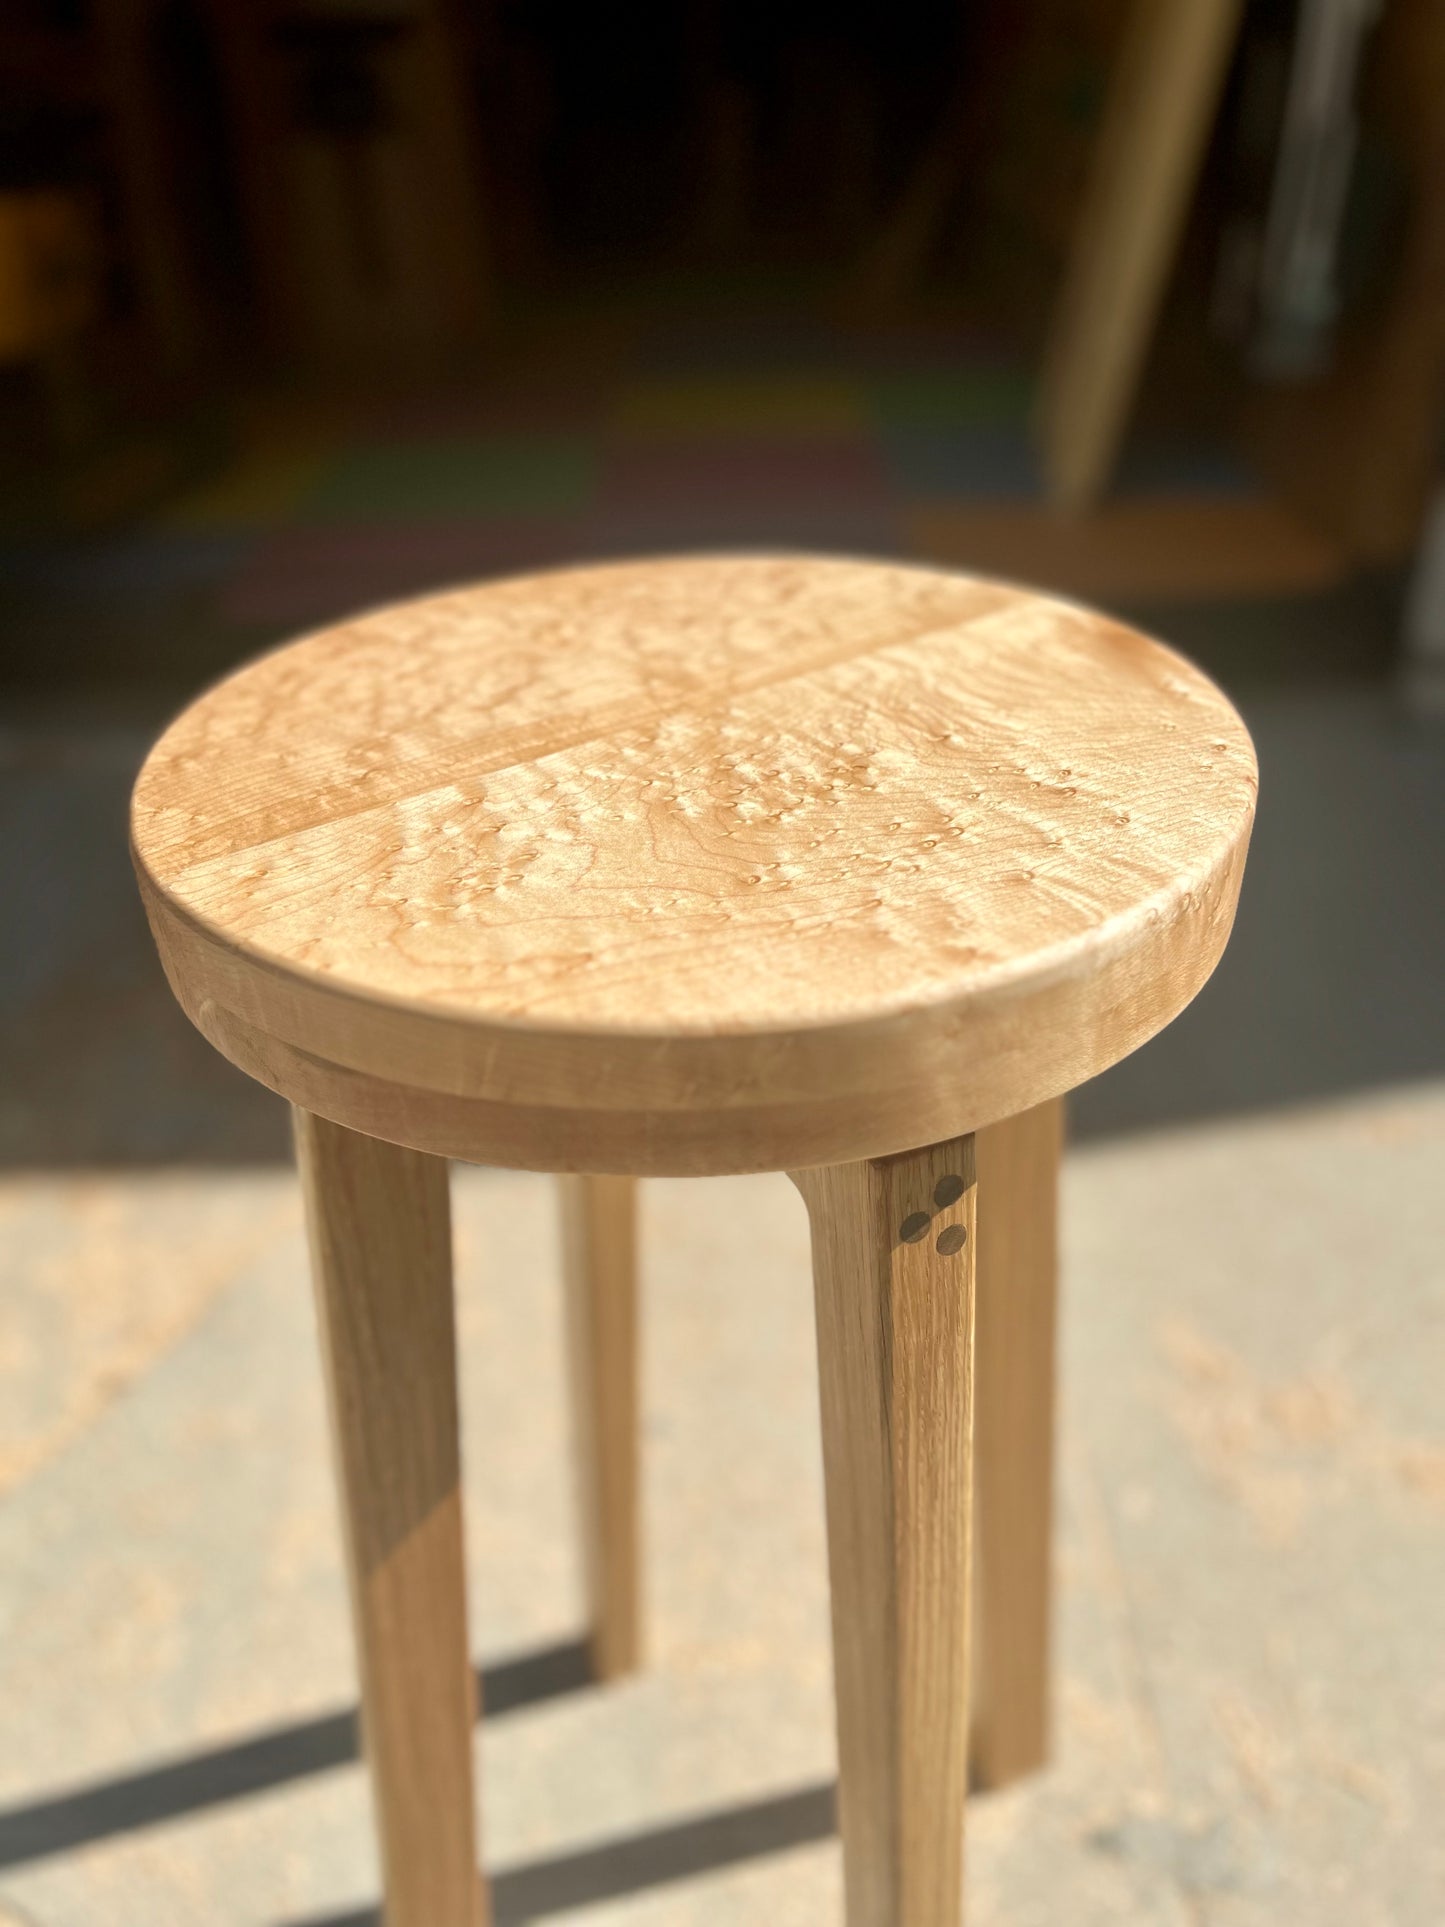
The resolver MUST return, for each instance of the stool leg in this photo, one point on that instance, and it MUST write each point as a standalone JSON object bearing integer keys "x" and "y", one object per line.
{"x": 599, "y": 1241}
{"x": 1018, "y": 1173}
{"x": 380, "y": 1232}
{"x": 893, "y": 1256}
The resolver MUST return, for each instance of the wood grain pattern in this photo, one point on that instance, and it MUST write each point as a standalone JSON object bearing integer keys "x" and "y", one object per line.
{"x": 1156, "y": 125}
{"x": 599, "y": 1240}
{"x": 1018, "y": 1176}
{"x": 699, "y": 865}
{"x": 893, "y": 1261}
{"x": 380, "y": 1230}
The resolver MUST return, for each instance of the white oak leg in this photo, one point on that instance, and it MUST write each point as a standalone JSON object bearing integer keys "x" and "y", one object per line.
{"x": 380, "y": 1231}
{"x": 1018, "y": 1175}
{"x": 893, "y": 1260}
{"x": 599, "y": 1226}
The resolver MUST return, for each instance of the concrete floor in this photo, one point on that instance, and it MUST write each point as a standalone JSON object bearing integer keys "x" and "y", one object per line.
{"x": 1251, "y": 1556}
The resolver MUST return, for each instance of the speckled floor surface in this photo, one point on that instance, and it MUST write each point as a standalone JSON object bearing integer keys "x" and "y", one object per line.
{"x": 1251, "y": 1555}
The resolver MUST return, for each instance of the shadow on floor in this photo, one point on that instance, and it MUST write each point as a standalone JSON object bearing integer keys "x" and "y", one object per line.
{"x": 681, "y": 1851}
{"x": 67, "y": 1821}
{"x": 75, "y": 1819}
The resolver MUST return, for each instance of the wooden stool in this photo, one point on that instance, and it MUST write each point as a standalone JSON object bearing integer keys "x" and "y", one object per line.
{"x": 712, "y": 865}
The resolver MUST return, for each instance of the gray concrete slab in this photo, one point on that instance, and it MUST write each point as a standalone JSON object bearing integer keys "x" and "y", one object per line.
{"x": 1251, "y": 1552}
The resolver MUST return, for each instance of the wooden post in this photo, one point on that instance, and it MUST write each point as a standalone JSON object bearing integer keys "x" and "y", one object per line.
{"x": 380, "y": 1230}
{"x": 1018, "y": 1171}
{"x": 1156, "y": 126}
{"x": 893, "y": 1261}
{"x": 600, "y": 1266}
{"x": 143, "y": 170}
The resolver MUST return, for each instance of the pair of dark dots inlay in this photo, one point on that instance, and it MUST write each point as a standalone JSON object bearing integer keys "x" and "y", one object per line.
{"x": 915, "y": 1226}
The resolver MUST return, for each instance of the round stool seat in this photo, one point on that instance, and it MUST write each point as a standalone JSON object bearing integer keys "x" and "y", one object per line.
{"x": 705, "y": 865}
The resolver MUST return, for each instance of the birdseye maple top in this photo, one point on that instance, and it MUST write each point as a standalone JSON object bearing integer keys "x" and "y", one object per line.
{"x": 695, "y": 797}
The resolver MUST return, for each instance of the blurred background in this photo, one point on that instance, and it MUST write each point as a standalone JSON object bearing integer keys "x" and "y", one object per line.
{"x": 306, "y": 307}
